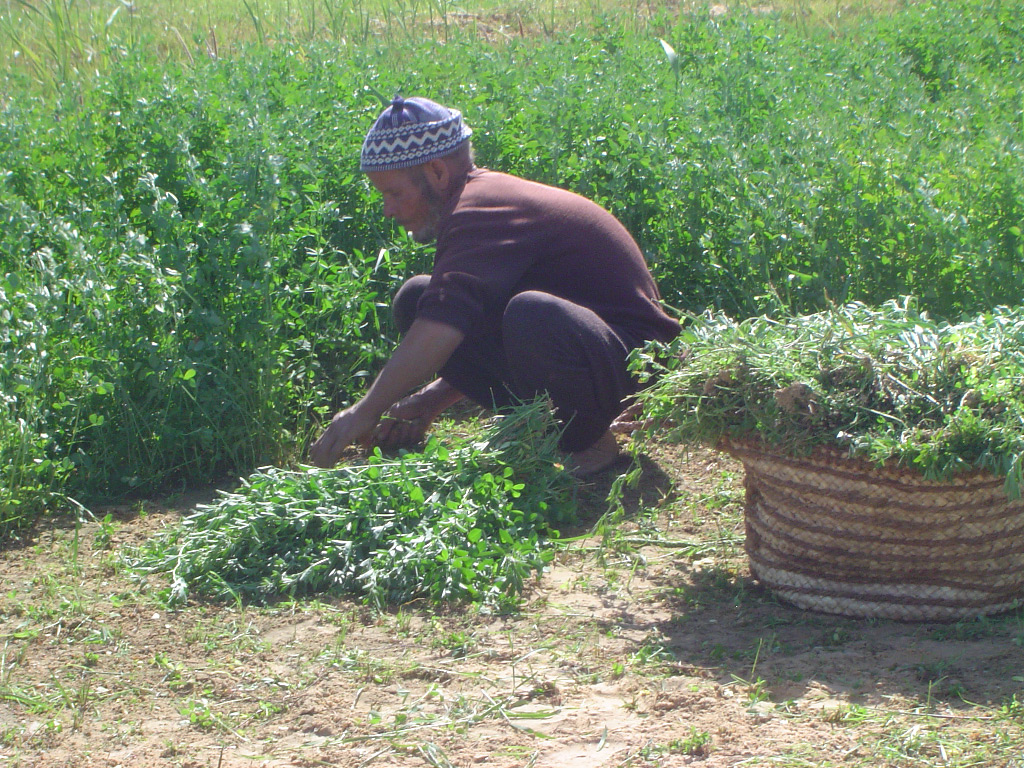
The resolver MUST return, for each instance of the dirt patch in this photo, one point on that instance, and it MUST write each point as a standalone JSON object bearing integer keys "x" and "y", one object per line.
{"x": 647, "y": 644}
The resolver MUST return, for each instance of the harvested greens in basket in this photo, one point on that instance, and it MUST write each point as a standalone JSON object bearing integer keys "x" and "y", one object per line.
{"x": 888, "y": 384}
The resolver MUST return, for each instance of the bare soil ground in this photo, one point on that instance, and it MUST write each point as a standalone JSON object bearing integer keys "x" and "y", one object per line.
{"x": 648, "y": 646}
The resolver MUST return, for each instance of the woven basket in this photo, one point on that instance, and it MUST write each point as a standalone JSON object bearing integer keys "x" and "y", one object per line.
{"x": 844, "y": 536}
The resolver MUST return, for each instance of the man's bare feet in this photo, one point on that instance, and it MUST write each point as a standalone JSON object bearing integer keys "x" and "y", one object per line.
{"x": 629, "y": 420}
{"x": 601, "y": 455}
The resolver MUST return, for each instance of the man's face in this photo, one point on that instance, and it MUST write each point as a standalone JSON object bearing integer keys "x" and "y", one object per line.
{"x": 410, "y": 200}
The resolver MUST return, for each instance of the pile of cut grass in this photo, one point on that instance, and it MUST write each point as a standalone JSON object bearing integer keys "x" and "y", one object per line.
{"x": 466, "y": 522}
{"x": 890, "y": 384}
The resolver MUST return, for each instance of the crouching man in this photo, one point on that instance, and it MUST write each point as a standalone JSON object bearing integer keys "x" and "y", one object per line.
{"x": 534, "y": 290}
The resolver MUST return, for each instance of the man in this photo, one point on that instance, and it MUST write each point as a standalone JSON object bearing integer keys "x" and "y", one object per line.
{"x": 534, "y": 290}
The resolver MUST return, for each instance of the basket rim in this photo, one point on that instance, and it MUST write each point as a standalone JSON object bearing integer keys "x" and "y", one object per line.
{"x": 842, "y": 462}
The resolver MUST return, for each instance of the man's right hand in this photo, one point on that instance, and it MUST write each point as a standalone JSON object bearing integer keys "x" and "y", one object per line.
{"x": 349, "y": 426}
{"x": 405, "y": 424}
{"x": 425, "y": 348}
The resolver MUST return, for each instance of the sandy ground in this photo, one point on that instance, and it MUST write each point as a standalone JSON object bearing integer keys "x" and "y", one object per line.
{"x": 648, "y": 647}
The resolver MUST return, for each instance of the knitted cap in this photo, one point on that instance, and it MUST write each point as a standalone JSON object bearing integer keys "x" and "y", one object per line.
{"x": 410, "y": 132}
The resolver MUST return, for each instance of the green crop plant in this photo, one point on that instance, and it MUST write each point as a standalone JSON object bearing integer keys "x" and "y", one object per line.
{"x": 194, "y": 274}
{"x": 467, "y": 522}
{"x": 166, "y": 339}
{"x": 887, "y": 384}
{"x": 698, "y": 744}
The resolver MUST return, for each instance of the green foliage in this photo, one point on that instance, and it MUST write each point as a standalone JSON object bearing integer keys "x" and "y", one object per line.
{"x": 889, "y": 384}
{"x": 466, "y": 522}
{"x": 174, "y": 309}
{"x": 194, "y": 273}
{"x": 27, "y": 475}
{"x": 698, "y": 743}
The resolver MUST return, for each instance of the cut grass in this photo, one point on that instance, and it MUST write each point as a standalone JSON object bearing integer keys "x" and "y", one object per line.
{"x": 887, "y": 384}
{"x": 462, "y": 523}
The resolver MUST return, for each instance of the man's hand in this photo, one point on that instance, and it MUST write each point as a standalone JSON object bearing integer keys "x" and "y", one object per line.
{"x": 347, "y": 427}
{"x": 424, "y": 349}
{"x": 405, "y": 424}
{"x": 401, "y": 426}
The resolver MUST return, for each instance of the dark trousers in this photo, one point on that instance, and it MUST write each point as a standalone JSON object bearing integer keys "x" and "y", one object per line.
{"x": 547, "y": 345}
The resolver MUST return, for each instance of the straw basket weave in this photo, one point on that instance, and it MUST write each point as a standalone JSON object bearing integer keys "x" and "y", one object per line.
{"x": 838, "y": 535}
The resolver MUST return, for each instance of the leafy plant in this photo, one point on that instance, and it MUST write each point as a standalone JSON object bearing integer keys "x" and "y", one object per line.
{"x": 887, "y": 384}
{"x": 194, "y": 274}
{"x": 466, "y": 522}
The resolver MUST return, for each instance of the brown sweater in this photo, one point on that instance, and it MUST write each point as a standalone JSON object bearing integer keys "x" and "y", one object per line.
{"x": 502, "y": 235}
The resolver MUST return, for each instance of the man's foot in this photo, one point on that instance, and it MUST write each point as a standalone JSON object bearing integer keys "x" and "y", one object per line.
{"x": 601, "y": 455}
{"x": 627, "y": 422}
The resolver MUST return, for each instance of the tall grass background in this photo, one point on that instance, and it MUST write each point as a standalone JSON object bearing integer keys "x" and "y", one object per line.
{"x": 193, "y": 273}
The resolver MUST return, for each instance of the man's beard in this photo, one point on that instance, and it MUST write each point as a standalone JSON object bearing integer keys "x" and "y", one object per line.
{"x": 425, "y": 234}
{"x": 435, "y": 202}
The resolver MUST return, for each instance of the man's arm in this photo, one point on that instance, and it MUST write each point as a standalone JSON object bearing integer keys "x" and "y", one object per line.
{"x": 423, "y": 350}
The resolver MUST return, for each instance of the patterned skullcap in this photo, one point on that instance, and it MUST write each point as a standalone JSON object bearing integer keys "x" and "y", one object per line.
{"x": 412, "y": 131}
